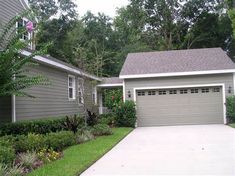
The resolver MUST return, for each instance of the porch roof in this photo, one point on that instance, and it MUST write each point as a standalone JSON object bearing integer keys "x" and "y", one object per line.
{"x": 111, "y": 82}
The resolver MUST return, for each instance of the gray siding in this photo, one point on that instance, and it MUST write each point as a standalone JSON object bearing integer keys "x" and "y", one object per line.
{"x": 9, "y": 9}
{"x": 227, "y": 79}
{"x": 5, "y": 109}
{"x": 50, "y": 100}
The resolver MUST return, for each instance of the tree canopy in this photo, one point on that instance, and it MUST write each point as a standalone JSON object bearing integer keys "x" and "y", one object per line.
{"x": 100, "y": 44}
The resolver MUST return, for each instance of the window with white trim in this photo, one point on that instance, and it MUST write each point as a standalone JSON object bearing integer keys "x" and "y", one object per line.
{"x": 205, "y": 90}
{"x": 80, "y": 91}
{"x": 183, "y": 91}
{"x": 152, "y": 92}
{"x": 71, "y": 87}
{"x": 216, "y": 89}
{"x": 21, "y": 25}
{"x": 162, "y": 92}
{"x": 172, "y": 92}
{"x": 141, "y": 93}
{"x": 193, "y": 91}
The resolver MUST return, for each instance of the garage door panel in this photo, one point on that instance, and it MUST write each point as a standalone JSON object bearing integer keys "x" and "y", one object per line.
{"x": 175, "y": 109}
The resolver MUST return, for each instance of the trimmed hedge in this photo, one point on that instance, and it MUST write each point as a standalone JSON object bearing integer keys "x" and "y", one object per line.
{"x": 43, "y": 126}
{"x": 101, "y": 129}
{"x": 108, "y": 119}
{"x": 231, "y": 109}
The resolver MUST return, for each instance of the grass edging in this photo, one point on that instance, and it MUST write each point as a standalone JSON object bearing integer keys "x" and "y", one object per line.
{"x": 232, "y": 125}
{"x": 80, "y": 157}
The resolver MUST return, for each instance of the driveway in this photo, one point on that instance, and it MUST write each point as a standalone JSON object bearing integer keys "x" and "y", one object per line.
{"x": 171, "y": 150}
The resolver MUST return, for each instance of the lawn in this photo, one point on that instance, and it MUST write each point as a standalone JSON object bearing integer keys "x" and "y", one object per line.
{"x": 79, "y": 157}
{"x": 232, "y": 125}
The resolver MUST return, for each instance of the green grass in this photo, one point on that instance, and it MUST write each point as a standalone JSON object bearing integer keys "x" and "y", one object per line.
{"x": 79, "y": 157}
{"x": 232, "y": 125}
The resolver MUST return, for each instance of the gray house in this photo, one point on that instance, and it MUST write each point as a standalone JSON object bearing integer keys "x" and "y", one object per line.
{"x": 68, "y": 90}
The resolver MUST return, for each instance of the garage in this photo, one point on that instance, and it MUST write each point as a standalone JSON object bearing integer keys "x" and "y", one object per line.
{"x": 181, "y": 106}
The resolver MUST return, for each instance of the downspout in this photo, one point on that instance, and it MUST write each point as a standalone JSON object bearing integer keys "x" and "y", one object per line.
{"x": 13, "y": 108}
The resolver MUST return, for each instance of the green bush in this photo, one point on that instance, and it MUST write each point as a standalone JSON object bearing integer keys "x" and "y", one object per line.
{"x": 60, "y": 140}
{"x": 125, "y": 114}
{"x": 112, "y": 98}
{"x": 108, "y": 119}
{"x": 231, "y": 108}
{"x": 84, "y": 135}
{"x": 34, "y": 126}
{"x": 30, "y": 142}
{"x": 101, "y": 129}
{"x": 7, "y": 153}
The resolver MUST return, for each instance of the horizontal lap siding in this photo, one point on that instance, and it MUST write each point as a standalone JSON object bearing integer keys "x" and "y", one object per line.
{"x": 227, "y": 79}
{"x": 50, "y": 100}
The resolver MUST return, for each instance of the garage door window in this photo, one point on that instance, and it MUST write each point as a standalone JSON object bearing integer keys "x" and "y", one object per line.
{"x": 141, "y": 93}
{"x": 162, "y": 92}
{"x": 193, "y": 91}
{"x": 216, "y": 89}
{"x": 152, "y": 92}
{"x": 205, "y": 90}
{"x": 173, "y": 92}
{"x": 183, "y": 91}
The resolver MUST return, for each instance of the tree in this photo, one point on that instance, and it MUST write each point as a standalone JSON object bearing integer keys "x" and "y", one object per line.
{"x": 13, "y": 65}
{"x": 53, "y": 8}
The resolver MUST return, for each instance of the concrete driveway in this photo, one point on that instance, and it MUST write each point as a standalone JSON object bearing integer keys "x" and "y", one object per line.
{"x": 171, "y": 150}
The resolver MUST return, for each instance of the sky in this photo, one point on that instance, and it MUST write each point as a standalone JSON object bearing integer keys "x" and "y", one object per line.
{"x": 106, "y": 6}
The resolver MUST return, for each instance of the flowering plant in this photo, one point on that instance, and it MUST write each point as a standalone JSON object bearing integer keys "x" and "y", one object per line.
{"x": 48, "y": 155}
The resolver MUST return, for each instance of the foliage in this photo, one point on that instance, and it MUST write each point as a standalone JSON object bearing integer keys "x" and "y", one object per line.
{"x": 101, "y": 129}
{"x": 7, "y": 154}
{"x": 48, "y": 155}
{"x": 3, "y": 169}
{"x": 30, "y": 142}
{"x": 42, "y": 126}
{"x": 27, "y": 159}
{"x": 126, "y": 114}
{"x": 60, "y": 140}
{"x": 13, "y": 65}
{"x": 108, "y": 119}
{"x": 73, "y": 122}
{"x": 80, "y": 157}
{"x": 15, "y": 170}
{"x": 92, "y": 118}
{"x": 84, "y": 135}
{"x": 112, "y": 98}
{"x": 231, "y": 108}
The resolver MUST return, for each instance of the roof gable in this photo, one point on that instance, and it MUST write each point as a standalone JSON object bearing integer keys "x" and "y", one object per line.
{"x": 176, "y": 61}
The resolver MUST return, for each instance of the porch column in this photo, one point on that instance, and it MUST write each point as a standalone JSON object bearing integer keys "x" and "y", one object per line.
{"x": 100, "y": 102}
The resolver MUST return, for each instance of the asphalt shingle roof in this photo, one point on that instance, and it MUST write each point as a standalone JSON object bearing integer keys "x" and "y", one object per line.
{"x": 176, "y": 61}
{"x": 112, "y": 80}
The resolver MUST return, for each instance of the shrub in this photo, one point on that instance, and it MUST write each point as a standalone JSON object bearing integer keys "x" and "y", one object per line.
{"x": 27, "y": 159}
{"x": 108, "y": 119}
{"x": 3, "y": 169}
{"x": 35, "y": 126}
{"x": 125, "y": 114}
{"x": 48, "y": 155}
{"x": 112, "y": 98}
{"x": 16, "y": 170}
{"x": 30, "y": 142}
{"x": 231, "y": 109}
{"x": 73, "y": 122}
{"x": 84, "y": 135}
{"x": 92, "y": 118}
{"x": 60, "y": 140}
{"x": 7, "y": 153}
{"x": 101, "y": 129}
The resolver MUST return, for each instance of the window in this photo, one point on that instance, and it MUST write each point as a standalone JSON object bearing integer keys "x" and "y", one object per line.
{"x": 21, "y": 27}
{"x": 193, "y": 91}
{"x": 173, "y": 91}
{"x": 216, "y": 89}
{"x": 162, "y": 92}
{"x": 205, "y": 90}
{"x": 141, "y": 93}
{"x": 152, "y": 92}
{"x": 71, "y": 87}
{"x": 80, "y": 91}
{"x": 183, "y": 91}
{"x": 94, "y": 95}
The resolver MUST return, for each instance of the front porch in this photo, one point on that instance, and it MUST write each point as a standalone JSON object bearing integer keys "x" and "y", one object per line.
{"x": 107, "y": 83}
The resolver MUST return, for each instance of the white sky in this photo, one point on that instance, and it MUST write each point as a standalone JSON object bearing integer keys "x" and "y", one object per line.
{"x": 106, "y": 6}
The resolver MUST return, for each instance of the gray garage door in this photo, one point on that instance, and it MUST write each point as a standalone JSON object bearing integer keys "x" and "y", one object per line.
{"x": 202, "y": 105}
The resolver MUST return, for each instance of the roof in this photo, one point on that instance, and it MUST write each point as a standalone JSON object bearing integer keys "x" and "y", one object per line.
{"x": 111, "y": 82}
{"x": 176, "y": 62}
{"x": 51, "y": 61}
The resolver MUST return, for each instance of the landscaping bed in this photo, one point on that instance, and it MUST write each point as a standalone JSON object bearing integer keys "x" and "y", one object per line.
{"x": 78, "y": 158}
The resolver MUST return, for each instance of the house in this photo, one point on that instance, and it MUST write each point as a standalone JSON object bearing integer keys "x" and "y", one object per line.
{"x": 68, "y": 90}
{"x": 179, "y": 87}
